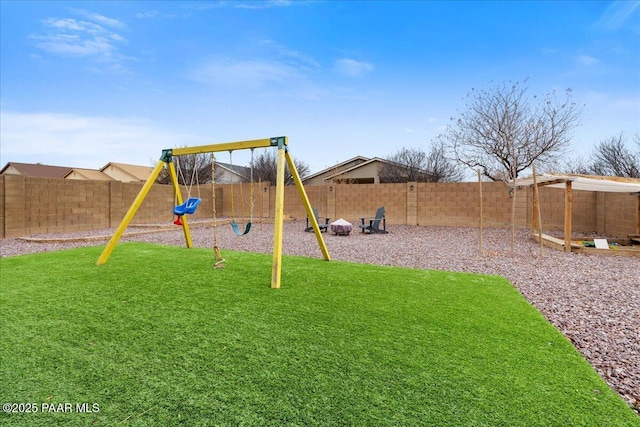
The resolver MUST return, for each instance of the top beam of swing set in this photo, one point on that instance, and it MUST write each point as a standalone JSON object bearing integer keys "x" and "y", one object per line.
{"x": 283, "y": 156}
{"x": 231, "y": 146}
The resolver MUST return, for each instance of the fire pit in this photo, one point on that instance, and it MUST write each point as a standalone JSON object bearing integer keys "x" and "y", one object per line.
{"x": 341, "y": 227}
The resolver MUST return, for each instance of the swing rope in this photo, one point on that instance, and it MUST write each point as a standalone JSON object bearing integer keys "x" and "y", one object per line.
{"x": 219, "y": 262}
{"x": 194, "y": 177}
{"x": 234, "y": 225}
{"x": 251, "y": 191}
{"x": 195, "y": 173}
{"x": 188, "y": 206}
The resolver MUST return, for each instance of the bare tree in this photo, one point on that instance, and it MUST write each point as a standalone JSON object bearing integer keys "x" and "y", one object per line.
{"x": 502, "y": 132}
{"x": 442, "y": 168}
{"x": 612, "y": 157}
{"x": 576, "y": 165}
{"x": 407, "y": 164}
{"x": 410, "y": 164}
{"x": 190, "y": 169}
{"x": 265, "y": 167}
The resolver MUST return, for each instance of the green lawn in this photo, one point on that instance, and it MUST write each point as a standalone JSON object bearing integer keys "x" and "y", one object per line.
{"x": 157, "y": 337}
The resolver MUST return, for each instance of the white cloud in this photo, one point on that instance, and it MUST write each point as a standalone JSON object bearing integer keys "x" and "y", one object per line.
{"x": 549, "y": 50}
{"x": 153, "y": 14}
{"x": 84, "y": 141}
{"x": 238, "y": 4}
{"x": 585, "y": 59}
{"x": 104, "y": 20}
{"x": 258, "y": 4}
{"x": 301, "y": 59}
{"x": 607, "y": 114}
{"x": 148, "y": 14}
{"x": 93, "y": 37}
{"x": 285, "y": 69}
{"x": 352, "y": 67}
{"x": 617, "y": 14}
{"x": 75, "y": 45}
{"x": 113, "y": 67}
{"x": 259, "y": 77}
{"x": 277, "y": 71}
{"x": 69, "y": 24}
{"x": 247, "y": 74}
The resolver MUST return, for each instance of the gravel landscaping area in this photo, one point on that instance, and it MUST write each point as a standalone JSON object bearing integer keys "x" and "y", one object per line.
{"x": 593, "y": 300}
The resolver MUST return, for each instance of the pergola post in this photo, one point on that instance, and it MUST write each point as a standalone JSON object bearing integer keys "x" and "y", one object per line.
{"x": 638, "y": 214}
{"x": 568, "y": 195}
{"x": 536, "y": 214}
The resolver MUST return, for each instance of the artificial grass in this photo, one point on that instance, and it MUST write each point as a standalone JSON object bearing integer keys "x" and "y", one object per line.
{"x": 159, "y": 337}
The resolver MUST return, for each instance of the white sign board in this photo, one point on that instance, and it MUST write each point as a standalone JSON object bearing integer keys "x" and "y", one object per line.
{"x": 601, "y": 243}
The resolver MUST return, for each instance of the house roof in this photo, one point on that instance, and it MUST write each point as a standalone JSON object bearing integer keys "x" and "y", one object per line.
{"x": 37, "y": 170}
{"x": 338, "y": 168}
{"x": 141, "y": 173}
{"x": 585, "y": 182}
{"x": 90, "y": 174}
{"x": 359, "y": 165}
{"x": 241, "y": 171}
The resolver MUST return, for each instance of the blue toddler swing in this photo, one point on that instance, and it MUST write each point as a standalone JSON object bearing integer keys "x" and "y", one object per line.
{"x": 187, "y": 207}
{"x": 190, "y": 205}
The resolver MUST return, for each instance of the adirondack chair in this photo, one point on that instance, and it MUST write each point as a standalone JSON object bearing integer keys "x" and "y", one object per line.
{"x": 373, "y": 225}
{"x": 323, "y": 227}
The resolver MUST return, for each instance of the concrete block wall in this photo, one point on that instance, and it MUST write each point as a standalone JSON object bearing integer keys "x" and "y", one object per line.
{"x": 2, "y": 206}
{"x": 53, "y": 205}
{"x": 354, "y": 201}
{"x": 263, "y": 197}
{"x": 585, "y": 209}
{"x": 15, "y": 206}
{"x": 317, "y": 195}
{"x": 552, "y": 208}
{"x": 32, "y": 205}
{"x": 40, "y": 205}
{"x": 458, "y": 204}
{"x": 621, "y": 214}
{"x": 241, "y": 199}
{"x": 156, "y": 208}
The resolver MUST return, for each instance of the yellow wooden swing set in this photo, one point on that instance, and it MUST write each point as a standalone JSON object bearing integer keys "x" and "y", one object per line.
{"x": 166, "y": 160}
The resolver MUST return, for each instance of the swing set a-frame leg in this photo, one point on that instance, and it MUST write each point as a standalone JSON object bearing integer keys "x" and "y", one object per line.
{"x": 307, "y": 206}
{"x": 283, "y": 155}
{"x": 106, "y": 252}
{"x": 176, "y": 190}
{"x": 278, "y": 224}
{"x": 137, "y": 202}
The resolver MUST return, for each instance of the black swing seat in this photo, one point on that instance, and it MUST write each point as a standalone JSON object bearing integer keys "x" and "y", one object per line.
{"x": 238, "y": 230}
{"x": 187, "y": 207}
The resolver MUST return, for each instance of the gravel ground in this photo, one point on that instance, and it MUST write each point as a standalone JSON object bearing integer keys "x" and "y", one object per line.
{"x": 592, "y": 299}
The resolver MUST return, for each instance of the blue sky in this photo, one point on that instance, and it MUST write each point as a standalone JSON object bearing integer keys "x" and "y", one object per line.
{"x": 85, "y": 83}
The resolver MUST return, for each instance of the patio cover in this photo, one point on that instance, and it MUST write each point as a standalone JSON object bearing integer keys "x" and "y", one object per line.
{"x": 570, "y": 182}
{"x": 584, "y": 182}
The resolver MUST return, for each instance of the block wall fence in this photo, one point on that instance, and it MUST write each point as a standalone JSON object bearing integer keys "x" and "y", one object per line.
{"x": 31, "y": 206}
